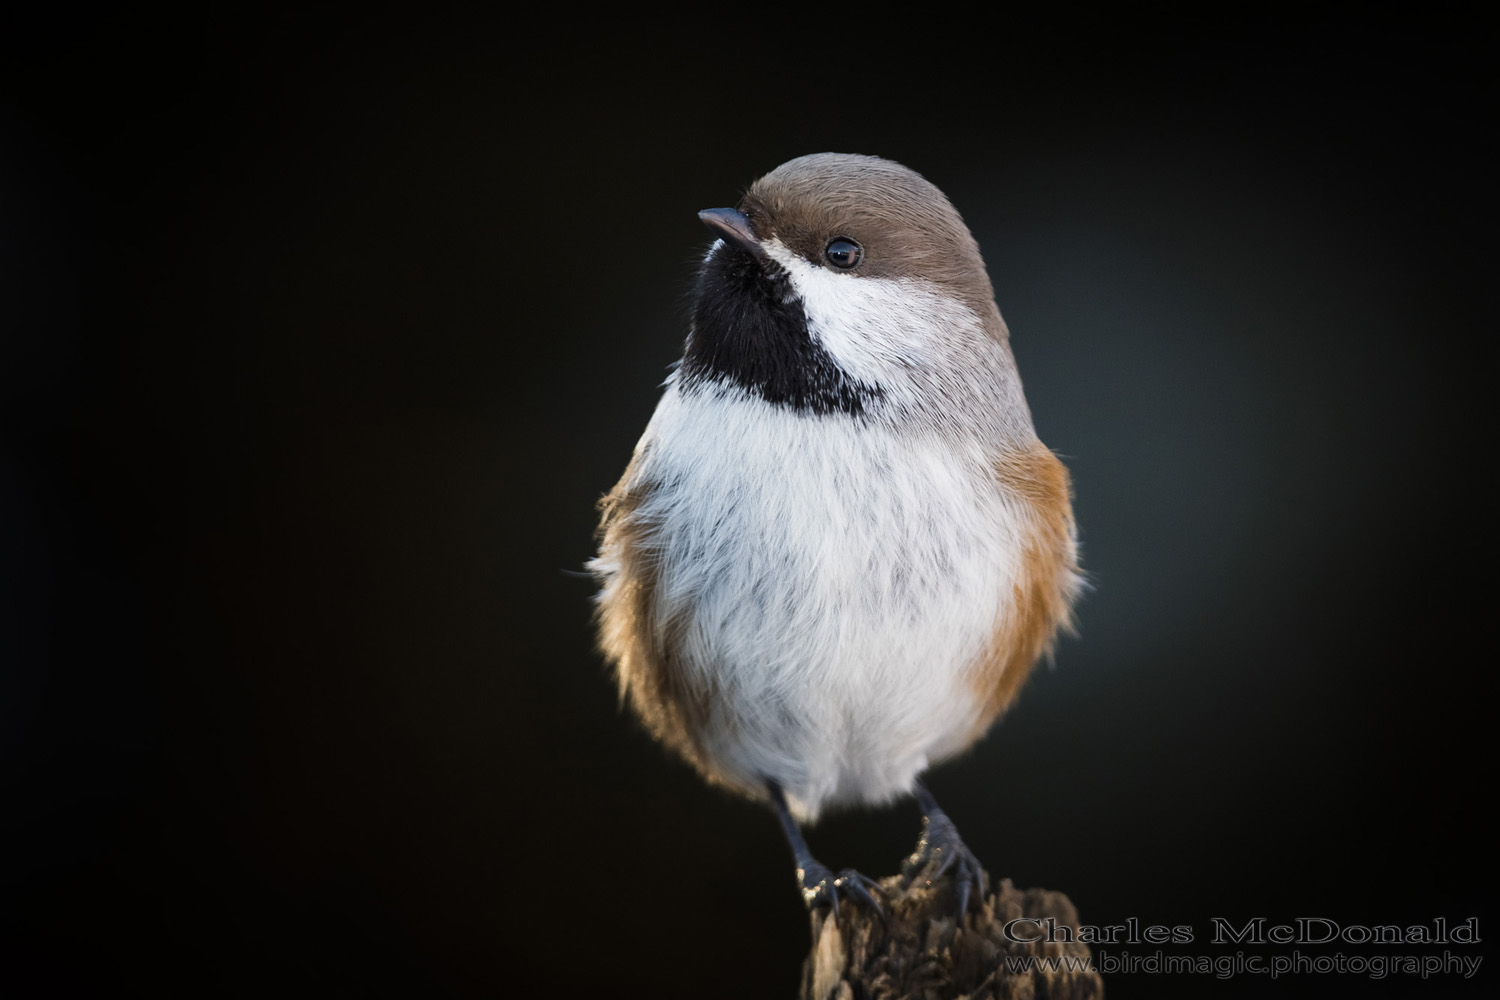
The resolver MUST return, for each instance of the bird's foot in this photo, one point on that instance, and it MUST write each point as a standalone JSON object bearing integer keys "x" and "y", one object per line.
{"x": 939, "y": 850}
{"x": 821, "y": 888}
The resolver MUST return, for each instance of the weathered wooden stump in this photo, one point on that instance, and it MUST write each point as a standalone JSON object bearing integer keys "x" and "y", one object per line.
{"x": 920, "y": 953}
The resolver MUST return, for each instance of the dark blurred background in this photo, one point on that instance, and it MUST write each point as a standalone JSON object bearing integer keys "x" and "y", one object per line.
{"x": 320, "y": 335}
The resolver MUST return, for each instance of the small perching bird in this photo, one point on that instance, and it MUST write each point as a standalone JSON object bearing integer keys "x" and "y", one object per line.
{"x": 839, "y": 548}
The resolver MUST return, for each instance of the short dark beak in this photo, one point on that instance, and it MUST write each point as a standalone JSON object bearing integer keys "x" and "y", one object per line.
{"x": 733, "y": 226}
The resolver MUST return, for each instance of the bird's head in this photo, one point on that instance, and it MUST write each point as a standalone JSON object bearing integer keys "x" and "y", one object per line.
{"x": 847, "y": 284}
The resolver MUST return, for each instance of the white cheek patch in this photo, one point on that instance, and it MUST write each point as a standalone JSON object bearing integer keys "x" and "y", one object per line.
{"x": 882, "y": 331}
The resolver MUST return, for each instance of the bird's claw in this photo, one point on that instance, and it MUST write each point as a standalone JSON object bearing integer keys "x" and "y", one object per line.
{"x": 940, "y": 850}
{"x": 821, "y": 888}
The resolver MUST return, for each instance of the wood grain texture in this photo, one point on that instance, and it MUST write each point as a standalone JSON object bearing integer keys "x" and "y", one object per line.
{"x": 920, "y": 953}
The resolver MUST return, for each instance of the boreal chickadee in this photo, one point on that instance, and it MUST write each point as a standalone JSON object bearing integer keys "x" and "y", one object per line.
{"x": 839, "y": 548}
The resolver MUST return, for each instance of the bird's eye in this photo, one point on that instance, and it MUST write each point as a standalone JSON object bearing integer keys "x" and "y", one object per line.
{"x": 844, "y": 254}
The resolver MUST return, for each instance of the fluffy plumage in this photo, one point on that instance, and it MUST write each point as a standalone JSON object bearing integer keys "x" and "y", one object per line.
{"x": 839, "y": 547}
